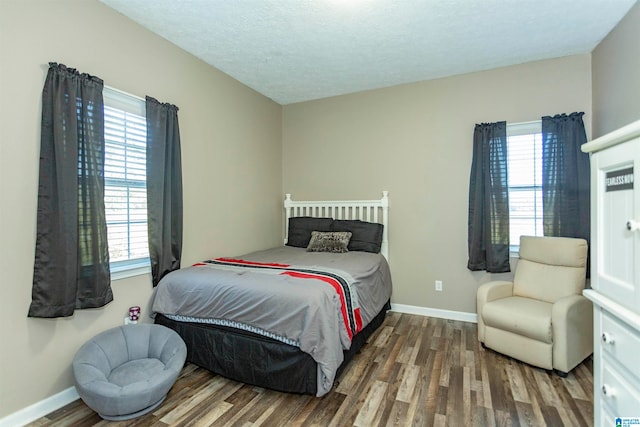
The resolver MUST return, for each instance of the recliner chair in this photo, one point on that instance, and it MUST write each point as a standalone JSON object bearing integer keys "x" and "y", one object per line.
{"x": 540, "y": 318}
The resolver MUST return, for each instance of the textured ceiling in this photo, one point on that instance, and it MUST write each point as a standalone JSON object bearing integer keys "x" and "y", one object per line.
{"x": 300, "y": 50}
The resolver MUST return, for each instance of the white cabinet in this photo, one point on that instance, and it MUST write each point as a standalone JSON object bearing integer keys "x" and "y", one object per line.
{"x": 615, "y": 273}
{"x": 615, "y": 209}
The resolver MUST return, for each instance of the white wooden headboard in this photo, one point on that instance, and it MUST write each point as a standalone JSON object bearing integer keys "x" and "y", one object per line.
{"x": 364, "y": 210}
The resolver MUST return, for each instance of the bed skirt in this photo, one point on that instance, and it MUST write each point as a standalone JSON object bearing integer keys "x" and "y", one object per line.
{"x": 254, "y": 359}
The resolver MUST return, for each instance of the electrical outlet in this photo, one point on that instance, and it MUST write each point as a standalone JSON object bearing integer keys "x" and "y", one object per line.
{"x": 438, "y": 285}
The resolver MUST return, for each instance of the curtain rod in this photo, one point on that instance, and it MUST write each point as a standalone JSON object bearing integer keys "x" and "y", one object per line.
{"x": 524, "y": 123}
{"x": 125, "y": 93}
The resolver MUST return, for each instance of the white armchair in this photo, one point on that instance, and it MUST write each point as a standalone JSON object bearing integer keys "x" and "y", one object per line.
{"x": 541, "y": 318}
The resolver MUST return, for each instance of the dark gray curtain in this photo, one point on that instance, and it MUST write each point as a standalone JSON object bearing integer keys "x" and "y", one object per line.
{"x": 164, "y": 188}
{"x": 71, "y": 267}
{"x": 565, "y": 177}
{"x": 489, "y": 200}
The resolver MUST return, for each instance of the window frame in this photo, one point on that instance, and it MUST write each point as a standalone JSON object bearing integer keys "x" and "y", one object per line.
{"x": 520, "y": 129}
{"x": 123, "y": 101}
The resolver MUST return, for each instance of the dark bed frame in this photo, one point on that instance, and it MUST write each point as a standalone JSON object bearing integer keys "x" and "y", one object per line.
{"x": 254, "y": 359}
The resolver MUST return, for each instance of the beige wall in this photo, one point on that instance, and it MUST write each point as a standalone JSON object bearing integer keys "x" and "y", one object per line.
{"x": 231, "y": 150}
{"x": 616, "y": 76}
{"x": 416, "y": 141}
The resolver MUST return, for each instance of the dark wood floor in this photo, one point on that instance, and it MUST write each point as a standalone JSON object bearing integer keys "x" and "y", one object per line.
{"x": 415, "y": 370}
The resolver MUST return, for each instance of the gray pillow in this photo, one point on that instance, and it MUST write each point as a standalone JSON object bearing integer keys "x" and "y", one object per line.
{"x": 332, "y": 241}
{"x": 366, "y": 236}
{"x": 300, "y": 228}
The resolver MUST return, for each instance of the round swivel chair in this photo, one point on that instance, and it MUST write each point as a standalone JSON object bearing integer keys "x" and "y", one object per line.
{"x": 127, "y": 371}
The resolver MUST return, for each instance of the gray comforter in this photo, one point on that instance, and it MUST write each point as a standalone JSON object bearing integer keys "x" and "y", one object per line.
{"x": 302, "y": 312}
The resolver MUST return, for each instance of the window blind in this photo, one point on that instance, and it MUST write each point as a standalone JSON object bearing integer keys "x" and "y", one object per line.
{"x": 524, "y": 146}
{"x": 125, "y": 177}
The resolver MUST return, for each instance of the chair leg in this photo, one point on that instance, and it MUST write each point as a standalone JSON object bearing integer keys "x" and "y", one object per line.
{"x": 560, "y": 373}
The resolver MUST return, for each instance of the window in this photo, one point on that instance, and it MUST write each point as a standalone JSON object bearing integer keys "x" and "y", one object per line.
{"x": 524, "y": 147}
{"x": 125, "y": 197}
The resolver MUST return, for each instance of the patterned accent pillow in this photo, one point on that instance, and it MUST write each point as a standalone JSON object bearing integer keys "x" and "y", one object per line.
{"x": 332, "y": 241}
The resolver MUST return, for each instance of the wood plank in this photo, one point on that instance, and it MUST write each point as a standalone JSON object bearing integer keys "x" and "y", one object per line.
{"x": 371, "y": 404}
{"x": 407, "y": 387}
{"x": 517, "y": 384}
{"x": 182, "y": 411}
{"x": 397, "y": 415}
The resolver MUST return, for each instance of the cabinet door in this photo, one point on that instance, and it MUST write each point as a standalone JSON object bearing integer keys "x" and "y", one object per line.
{"x": 616, "y": 217}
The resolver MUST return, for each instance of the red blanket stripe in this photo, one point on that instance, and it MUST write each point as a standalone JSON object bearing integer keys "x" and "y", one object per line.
{"x": 334, "y": 283}
{"x": 243, "y": 261}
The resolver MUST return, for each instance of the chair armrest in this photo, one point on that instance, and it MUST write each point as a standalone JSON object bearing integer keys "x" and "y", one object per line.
{"x": 174, "y": 353}
{"x": 487, "y": 292}
{"x": 492, "y": 291}
{"x": 572, "y": 324}
{"x": 86, "y": 373}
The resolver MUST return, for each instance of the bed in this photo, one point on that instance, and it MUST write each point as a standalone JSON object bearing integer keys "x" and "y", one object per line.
{"x": 287, "y": 318}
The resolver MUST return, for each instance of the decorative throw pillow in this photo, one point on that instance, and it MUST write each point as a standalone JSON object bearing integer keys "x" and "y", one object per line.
{"x": 300, "y": 228}
{"x": 333, "y": 241}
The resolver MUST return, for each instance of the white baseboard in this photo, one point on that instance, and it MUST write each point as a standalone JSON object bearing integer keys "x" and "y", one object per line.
{"x": 40, "y": 409}
{"x": 436, "y": 312}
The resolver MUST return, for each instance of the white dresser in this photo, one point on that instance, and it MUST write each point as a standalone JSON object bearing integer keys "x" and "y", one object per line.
{"x": 615, "y": 273}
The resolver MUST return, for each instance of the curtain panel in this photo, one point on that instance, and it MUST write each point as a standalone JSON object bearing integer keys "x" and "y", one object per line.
{"x": 488, "y": 226}
{"x": 566, "y": 177}
{"x": 164, "y": 188}
{"x": 71, "y": 266}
